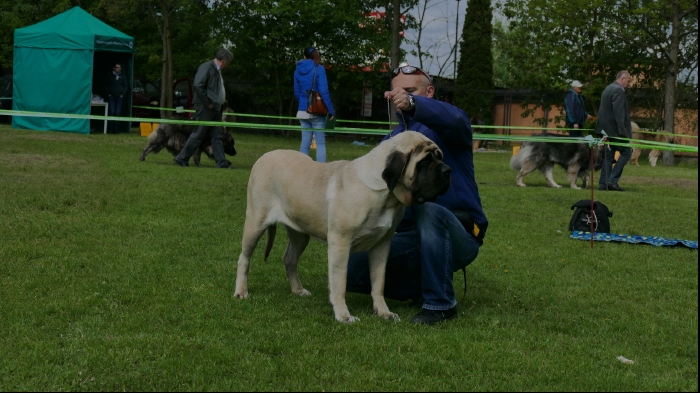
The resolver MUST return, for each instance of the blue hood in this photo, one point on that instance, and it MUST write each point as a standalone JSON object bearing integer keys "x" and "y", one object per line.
{"x": 303, "y": 81}
{"x": 305, "y": 67}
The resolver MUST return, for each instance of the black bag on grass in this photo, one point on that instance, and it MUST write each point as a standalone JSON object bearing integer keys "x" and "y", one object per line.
{"x": 581, "y": 220}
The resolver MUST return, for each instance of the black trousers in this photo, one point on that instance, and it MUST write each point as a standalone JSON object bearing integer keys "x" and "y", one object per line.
{"x": 201, "y": 132}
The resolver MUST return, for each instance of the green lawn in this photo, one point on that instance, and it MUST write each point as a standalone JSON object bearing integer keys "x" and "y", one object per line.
{"x": 117, "y": 274}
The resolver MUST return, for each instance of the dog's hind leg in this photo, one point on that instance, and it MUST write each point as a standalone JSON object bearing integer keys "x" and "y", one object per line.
{"x": 572, "y": 171}
{"x": 548, "y": 171}
{"x": 654, "y": 156}
{"x": 297, "y": 244}
{"x": 636, "y": 152}
{"x": 528, "y": 166}
{"x": 252, "y": 232}
{"x": 145, "y": 152}
{"x": 151, "y": 148}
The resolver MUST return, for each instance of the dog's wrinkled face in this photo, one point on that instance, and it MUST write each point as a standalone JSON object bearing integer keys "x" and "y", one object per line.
{"x": 419, "y": 175}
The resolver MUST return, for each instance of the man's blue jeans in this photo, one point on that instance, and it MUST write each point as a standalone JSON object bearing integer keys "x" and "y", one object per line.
{"x": 115, "y": 109}
{"x": 320, "y": 136}
{"x": 421, "y": 261}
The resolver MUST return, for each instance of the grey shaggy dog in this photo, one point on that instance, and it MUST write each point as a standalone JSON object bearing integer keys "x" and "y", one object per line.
{"x": 575, "y": 158}
{"x": 174, "y": 136}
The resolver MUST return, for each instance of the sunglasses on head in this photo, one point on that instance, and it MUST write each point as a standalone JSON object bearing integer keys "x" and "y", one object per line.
{"x": 408, "y": 70}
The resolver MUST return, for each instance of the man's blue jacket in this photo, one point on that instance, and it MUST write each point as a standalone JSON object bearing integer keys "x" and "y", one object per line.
{"x": 575, "y": 109}
{"x": 449, "y": 127}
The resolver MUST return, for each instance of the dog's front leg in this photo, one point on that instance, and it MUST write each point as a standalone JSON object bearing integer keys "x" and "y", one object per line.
{"x": 338, "y": 254}
{"x": 548, "y": 171}
{"x": 377, "y": 271}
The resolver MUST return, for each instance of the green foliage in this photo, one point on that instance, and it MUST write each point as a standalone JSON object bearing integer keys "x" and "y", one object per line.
{"x": 15, "y": 14}
{"x": 191, "y": 27}
{"x": 474, "y": 84}
{"x": 267, "y": 39}
{"x": 117, "y": 274}
{"x": 549, "y": 43}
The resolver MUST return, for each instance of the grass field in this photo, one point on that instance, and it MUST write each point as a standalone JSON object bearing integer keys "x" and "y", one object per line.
{"x": 117, "y": 274}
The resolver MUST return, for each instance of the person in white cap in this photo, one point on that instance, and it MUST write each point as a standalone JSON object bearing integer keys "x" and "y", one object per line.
{"x": 576, "y": 114}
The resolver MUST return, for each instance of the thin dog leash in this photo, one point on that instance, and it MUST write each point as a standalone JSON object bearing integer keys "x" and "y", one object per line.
{"x": 388, "y": 112}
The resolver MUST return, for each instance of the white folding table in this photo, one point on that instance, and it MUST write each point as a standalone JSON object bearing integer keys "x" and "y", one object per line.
{"x": 106, "y": 105}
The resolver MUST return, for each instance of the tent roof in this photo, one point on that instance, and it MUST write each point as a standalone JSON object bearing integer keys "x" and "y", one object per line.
{"x": 73, "y": 29}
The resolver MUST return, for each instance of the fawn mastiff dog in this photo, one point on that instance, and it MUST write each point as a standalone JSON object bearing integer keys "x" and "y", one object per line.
{"x": 350, "y": 205}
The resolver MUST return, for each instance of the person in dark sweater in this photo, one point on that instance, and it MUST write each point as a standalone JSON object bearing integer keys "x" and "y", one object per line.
{"x": 576, "y": 114}
{"x": 434, "y": 239}
{"x": 116, "y": 87}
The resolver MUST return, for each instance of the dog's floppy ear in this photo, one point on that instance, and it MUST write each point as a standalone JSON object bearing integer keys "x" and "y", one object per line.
{"x": 395, "y": 164}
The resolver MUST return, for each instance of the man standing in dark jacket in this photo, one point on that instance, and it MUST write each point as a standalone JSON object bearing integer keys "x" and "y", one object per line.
{"x": 434, "y": 239}
{"x": 115, "y": 87}
{"x": 209, "y": 95}
{"x": 576, "y": 114}
{"x": 614, "y": 119}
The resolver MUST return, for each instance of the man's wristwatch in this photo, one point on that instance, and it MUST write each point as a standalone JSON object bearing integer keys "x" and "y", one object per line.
{"x": 411, "y": 103}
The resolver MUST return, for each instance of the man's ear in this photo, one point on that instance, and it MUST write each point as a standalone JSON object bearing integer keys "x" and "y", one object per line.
{"x": 431, "y": 91}
{"x": 395, "y": 164}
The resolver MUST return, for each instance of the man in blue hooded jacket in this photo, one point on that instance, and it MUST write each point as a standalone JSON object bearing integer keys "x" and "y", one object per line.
{"x": 438, "y": 238}
{"x": 576, "y": 114}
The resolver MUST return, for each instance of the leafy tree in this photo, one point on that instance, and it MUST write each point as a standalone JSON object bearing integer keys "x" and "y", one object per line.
{"x": 15, "y": 14}
{"x": 267, "y": 39}
{"x": 667, "y": 30}
{"x": 548, "y": 43}
{"x": 474, "y": 83}
{"x": 174, "y": 38}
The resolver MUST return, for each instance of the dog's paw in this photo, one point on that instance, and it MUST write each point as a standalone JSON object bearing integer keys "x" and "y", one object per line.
{"x": 576, "y": 187}
{"x": 303, "y": 293}
{"x": 241, "y": 295}
{"x": 556, "y": 186}
{"x": 348, "y": 319}
{"x": 391, "y": 317}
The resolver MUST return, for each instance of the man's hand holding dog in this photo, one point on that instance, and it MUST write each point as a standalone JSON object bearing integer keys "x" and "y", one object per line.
{"x": 400, "y": 99}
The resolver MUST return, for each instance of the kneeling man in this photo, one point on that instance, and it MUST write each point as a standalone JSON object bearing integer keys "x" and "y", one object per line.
{"x": 434, "y": 239}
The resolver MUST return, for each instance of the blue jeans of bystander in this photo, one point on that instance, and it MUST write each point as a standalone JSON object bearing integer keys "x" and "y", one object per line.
{"x": 307, "y": 127}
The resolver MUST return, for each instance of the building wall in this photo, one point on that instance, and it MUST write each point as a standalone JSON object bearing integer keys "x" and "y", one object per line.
{"x": 510, "y": 114}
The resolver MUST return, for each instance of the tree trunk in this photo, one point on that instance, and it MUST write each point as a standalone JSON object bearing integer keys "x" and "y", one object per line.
{"x": 395, "y": 46}
{"x": 166, "y": 81}
{"x": 396, "y": 34}
{"x": 671, "y": 77}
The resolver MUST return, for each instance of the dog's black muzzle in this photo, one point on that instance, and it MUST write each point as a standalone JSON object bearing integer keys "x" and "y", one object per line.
{"x": 441, "y": 184}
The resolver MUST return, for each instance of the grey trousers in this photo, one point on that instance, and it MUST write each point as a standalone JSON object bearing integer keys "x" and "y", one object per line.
{"x": 608, "y": 174}
{"x": 201, "y": 132}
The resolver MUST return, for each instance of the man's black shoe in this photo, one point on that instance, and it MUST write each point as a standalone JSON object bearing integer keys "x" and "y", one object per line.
{"x": 431, "y": 317}
{"x": 180, "y": 163}
{"x": 615, "y": 187}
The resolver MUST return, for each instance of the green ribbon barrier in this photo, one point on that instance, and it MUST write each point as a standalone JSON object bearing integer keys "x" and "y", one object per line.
{"x": 361, "y": 131}
{"x": 475, "y": 126}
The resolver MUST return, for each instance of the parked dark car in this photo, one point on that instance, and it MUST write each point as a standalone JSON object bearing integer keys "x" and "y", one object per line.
{"x": 147, "y": 93}
{"x": 5, "y": 96}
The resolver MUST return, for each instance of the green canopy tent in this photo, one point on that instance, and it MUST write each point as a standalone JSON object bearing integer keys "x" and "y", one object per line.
{"x": 60, "y": 62}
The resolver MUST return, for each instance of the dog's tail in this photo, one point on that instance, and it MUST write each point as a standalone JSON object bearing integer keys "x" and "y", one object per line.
{"x": 271, "y": 232}
{"x": 516, "y": 162}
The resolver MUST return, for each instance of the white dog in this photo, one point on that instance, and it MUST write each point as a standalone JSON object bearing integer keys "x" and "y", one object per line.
{"x": 351, "y": 205}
